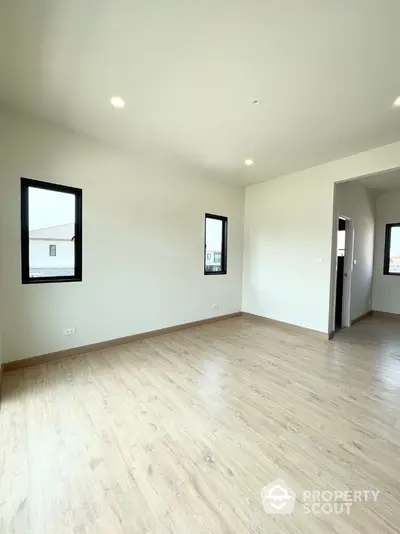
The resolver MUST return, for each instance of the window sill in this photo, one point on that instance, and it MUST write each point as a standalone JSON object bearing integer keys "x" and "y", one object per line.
{"x": 53, "y": 280}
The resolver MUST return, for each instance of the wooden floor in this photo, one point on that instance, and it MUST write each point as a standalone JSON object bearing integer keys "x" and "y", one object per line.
{"x": 180, "y": 433}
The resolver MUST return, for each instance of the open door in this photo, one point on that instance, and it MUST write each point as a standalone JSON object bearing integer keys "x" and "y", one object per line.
{"x": 344, "y": 266}
{"x": 341, "y": 249}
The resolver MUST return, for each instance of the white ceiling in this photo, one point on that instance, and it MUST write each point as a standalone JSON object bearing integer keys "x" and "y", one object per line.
{"x": 327, "y": 72}
{"x": 383, "y": 181}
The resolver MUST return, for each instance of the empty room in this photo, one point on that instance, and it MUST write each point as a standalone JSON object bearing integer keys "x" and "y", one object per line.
{"x": 199, "y": 267}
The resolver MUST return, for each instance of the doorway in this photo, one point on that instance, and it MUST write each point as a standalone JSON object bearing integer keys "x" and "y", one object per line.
{"x": 343, "y": 272}
{"x": 341, "y": 248}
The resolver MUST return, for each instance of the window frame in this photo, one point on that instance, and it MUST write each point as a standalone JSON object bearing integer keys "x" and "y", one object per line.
{"x": 224, "y": 244}
{"x": 386, "y": 259}
{"x": 26, "y": 183}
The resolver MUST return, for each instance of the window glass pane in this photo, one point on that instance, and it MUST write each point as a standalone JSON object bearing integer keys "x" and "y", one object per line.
{"x": 341, "y": 242}
{"x": 394, "y": 254}
{"x": 51, "y": 233}
{"x": 214, "y": 228}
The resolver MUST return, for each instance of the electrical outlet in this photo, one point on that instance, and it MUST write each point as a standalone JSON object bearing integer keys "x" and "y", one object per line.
{"x": 69, "y": 331}
{"x": 215, "y": 305}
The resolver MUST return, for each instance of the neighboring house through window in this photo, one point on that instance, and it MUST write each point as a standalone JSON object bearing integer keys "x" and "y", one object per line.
{"x": 391, "y": 261}
{"x": 215, "y": 244}
{"x": 51, "y": 232}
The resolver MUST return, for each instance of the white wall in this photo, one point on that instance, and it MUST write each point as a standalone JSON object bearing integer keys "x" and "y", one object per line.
{"x": 386, "y": 289}
{"x": 143, "y": 243}
{"x": 285, "y": 240}
{"x": 144, "y": 217}
{"x": 288, "y": 236}
{"x": 353, "y": 200}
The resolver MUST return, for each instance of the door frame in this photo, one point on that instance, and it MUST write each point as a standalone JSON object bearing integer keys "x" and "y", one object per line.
{"x": 347, "y": 270}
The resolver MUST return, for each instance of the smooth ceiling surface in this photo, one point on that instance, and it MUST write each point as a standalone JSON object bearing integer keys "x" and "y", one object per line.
{"x": 327, "y": 72}
{"x": 383, "y": 181}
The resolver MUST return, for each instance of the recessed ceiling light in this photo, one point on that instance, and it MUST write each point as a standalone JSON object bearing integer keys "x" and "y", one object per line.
{"x": 396, "y": 103}
{"x": 117, "y": 102}
{"x": 256, "y": 101}
{"x": 248, "y": 162}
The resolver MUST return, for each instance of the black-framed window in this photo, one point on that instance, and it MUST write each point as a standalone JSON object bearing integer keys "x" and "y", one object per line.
{"x": 50, "y": 212}
{"x": 215, "y": 243}
{"x": 391, "y": 262}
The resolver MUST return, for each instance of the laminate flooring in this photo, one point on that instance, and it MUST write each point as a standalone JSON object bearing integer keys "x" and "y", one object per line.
{"x": 181, "y": 433}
